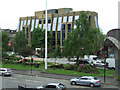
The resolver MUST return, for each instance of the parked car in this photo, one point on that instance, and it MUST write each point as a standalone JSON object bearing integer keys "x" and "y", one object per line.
{"x": 86, "y": 80}
{"x": 99, "y": 63}
{"x": 6, "y": 71}
{"x": 52, "y": 86}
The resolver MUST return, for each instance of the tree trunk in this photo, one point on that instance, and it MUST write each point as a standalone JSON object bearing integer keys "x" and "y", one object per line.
{"x": 77, "y": 60}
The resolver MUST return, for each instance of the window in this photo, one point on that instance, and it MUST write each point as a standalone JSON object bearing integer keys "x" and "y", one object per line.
{"x": 65, "y": 19}
{"x": 58, "y": 38}
{"x": 76, "y": 17}
{"x": 84, "y": 78}
{"x": 63, "y": 27}
{"x": 54, "y": 23}
{"x": 89, "y": 18}
{"x": 21, "y": 25}
{"x": 53, "y": 33}
{"x": 37, "y": 21}
{"x": 32, "y": 25}
{"x": 96, "y": 22}
{"x": 44, "y": 21}
{"x": 23, "y": 28}
{"x": 70, "y": 18}
{"x": 25, "y": 22}
{"x": 18, "y": 26}
{"x": 40, "y": 21}
{"x": 59, "y": 24}
{"x": 69, "y": 27}
{"x": 49, "y": 20}
{"x": 50, "y": 86}
{"x": 28, "y": 22}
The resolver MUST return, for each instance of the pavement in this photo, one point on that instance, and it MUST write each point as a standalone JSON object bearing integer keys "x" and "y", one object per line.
{"x": 108, "y": 80}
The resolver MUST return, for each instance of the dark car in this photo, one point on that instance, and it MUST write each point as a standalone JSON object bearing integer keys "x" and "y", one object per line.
{"x": 83, "y": 62}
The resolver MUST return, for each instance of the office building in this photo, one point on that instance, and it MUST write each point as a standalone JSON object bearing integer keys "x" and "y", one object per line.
{"x": 60, "y": 22}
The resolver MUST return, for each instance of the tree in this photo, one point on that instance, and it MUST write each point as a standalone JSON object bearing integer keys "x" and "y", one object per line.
{"x": 19, "y": 41}
{"x": 5, "y": 40}
{"x": 20, "y": 44}
{"x": 38, "y": 40}
{"x": 81, "y": 40}
{"x": 57, "y": 53}
{"x": 26, "y": 51}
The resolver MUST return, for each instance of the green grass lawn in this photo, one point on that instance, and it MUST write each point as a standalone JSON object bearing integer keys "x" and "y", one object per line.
{"x": 57, "y": 71}
{"x": 22, "y": 67}
{"x": 68, "y": 72}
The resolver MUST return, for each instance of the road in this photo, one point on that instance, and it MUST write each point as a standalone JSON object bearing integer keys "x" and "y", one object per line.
{"x": 58, "y": 60}
{"x": 33, "y": 81}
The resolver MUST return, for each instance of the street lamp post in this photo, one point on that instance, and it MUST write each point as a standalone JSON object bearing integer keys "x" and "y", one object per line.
{"x": 46, "y": 39}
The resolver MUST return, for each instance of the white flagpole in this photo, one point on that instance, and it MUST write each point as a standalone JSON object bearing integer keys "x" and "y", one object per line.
{"x": 46, "y": 39}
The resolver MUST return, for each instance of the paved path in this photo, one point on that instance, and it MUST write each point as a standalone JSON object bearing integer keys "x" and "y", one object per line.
{"x": 108, "y": 80}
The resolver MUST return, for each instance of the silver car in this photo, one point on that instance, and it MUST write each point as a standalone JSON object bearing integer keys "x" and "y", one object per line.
{"x": 6, "y": 71}
{"x": 52, "y": 86}
{"x": 86, "y": 80}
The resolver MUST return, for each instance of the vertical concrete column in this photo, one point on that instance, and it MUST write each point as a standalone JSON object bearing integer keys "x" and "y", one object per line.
{"x": 117, "y": 61}
{"x": 19, "y": 24}
{"x": 42, "y": 21}
{"x": 61, "y": 34}
{"x": 66, "y": 26}
{"x": 52, "y": 16}
{"x": 34, "y": 22}
{"x": 73, "y": 19}
{"x": 56, "y": 30}
{"x": 0, "y": 58}
{"x": 117, "y": 64}
{"x": 29, "y": 31}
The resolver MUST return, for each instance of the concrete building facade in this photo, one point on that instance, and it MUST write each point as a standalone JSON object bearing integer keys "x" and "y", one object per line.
{"x": 112, "y": 42}
{"x": 60, "y": 22}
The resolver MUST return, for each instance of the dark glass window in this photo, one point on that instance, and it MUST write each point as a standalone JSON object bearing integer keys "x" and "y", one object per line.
{"x": 58, "y": 38}
{"x": 63, "y": 27}
{"x": 44, "y": 21}
{"x": 40, "y": 21}
{"x": 31, "y": 36}
{"x": 23, "y": 28}
{"x": 53, "y": 34}
{"x": 63, "y": 37}
{"x": 49, "y": 20}
{"x": 69, "y": 27}
{"x": 27, "y": 33}
{"x": 89, "y": 18}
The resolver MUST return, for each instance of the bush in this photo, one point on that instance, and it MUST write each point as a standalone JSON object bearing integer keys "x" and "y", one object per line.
{"x": 60, "y": 66}
{"x": 8, "y": 61}
{"x": 86, "y": 68}
{"x": 69, "y": 67}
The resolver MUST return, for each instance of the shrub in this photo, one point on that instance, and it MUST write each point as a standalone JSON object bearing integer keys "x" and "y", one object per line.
{"x": 60, "y": 66}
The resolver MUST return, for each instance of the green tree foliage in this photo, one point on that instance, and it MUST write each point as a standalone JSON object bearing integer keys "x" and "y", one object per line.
{"x": 56, "y": 53}
{"x": 5, "y": 40}
{"x": 38, "y": 39}
{"x": 81, "y": 40}
{"x": 19, "y": 41}
{"x": 26, "y": 51}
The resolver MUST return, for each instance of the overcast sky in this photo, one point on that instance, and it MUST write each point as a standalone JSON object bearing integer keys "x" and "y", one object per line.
{"x": 12, "y": 10}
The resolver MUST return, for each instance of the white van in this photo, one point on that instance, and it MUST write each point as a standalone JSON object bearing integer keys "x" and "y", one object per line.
{"x": 111, "y": 63}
